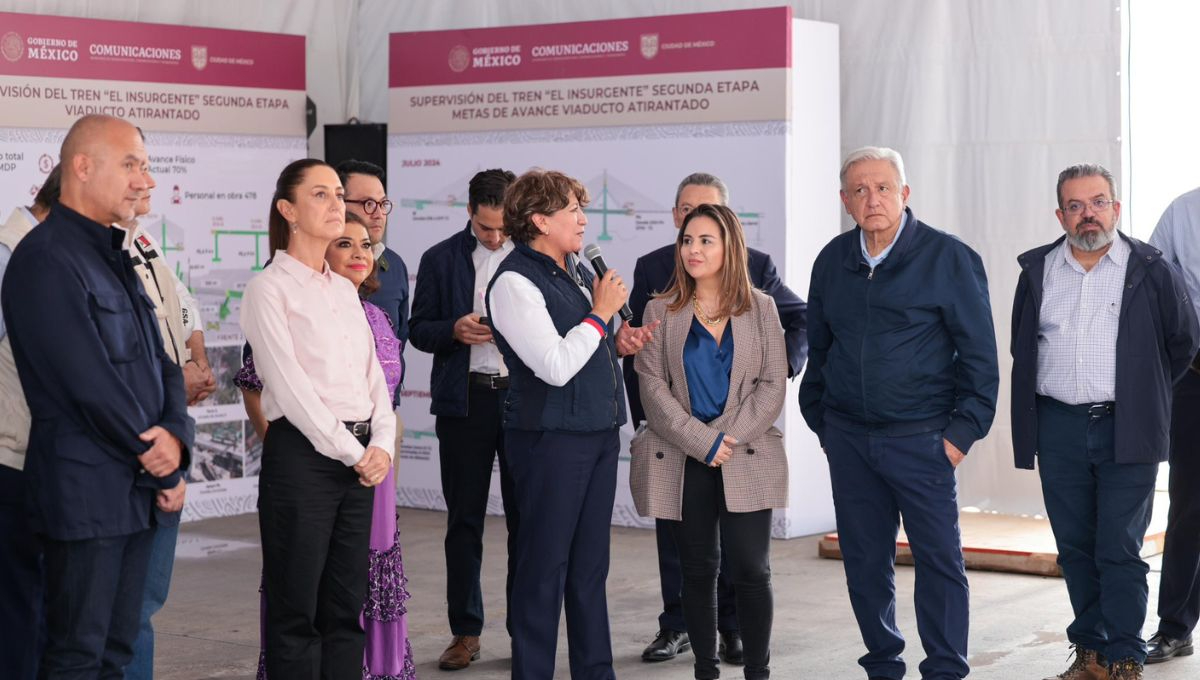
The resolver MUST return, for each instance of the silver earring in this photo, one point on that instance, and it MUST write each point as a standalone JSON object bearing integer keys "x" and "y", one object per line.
{"x": 294, "y": 227}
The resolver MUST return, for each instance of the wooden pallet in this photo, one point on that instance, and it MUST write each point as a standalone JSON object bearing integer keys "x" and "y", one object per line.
{"x": 1020, "y": 545}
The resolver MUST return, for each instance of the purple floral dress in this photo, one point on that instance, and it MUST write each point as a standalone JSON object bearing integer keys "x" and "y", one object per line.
{"x": 388, "y": 654}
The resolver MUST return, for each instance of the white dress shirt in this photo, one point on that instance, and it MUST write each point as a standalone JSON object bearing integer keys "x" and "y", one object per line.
{"x": 485, "y": 357}
{"x": 519, "y": 313}
{"x": 1077, "y": 329}
{"x": 315, "y": 354}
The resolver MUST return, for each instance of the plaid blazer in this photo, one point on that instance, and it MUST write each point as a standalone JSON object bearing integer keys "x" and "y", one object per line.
{"x": 756, "y": 477}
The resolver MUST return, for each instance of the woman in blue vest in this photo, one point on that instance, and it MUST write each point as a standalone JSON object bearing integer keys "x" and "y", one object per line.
{"x": 565, "y": 404}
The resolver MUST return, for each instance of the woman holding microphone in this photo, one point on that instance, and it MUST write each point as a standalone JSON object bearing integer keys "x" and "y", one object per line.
{"x": 565, "y": 404}
{"x": 710, "y": 459}
{"x": 330, "y": 438}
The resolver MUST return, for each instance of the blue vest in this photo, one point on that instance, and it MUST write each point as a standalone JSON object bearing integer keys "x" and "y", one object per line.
{"x": 593, "y": 400}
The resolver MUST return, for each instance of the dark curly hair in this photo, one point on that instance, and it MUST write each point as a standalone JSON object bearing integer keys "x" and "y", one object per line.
{"x": 538, "y": 192}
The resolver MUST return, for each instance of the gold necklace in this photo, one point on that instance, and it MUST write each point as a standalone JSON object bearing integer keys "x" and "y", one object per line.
{"x": 704, "y": 319}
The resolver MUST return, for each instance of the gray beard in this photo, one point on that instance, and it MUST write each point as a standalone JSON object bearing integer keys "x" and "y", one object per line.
{"x": 1092, "y": 241}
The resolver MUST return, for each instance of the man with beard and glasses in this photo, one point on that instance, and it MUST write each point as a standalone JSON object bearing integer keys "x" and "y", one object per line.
{"x": 1102, "y": 328}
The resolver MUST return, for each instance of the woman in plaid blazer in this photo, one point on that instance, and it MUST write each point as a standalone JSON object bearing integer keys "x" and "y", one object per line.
{"x": 709, "y": 458}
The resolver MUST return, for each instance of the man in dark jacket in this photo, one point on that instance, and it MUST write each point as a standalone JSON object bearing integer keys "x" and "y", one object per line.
{"x": 1102, "y": 328}
{"x": 110, "y": 426}
{"x": 652, "y": 274}
{"x": 901, "y": 381}
{"x": 468, "y": 384}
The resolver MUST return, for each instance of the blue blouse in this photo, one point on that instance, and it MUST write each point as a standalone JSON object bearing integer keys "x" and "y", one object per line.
{"x": 707, "y": 366}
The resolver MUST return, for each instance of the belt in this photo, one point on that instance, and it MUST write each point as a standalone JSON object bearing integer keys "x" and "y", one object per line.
{"x": 495, "y": 382}
{"x": 361, "y": 428}
{"x": 1098, "y": 410}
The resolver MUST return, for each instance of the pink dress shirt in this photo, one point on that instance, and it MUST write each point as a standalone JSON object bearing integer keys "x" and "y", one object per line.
{"x": 315, "y": 354}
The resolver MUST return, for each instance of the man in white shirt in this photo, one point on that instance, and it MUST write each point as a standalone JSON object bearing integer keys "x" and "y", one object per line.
{"x": 468, "y": 385}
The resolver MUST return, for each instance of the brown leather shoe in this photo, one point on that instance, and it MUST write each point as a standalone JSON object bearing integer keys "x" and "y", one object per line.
{"x": 462, "y": 651}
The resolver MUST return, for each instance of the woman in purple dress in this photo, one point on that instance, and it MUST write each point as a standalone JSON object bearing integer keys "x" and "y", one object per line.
{"x": 388, "y": 654}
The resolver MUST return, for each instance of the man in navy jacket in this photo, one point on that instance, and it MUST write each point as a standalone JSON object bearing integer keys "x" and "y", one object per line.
{"x": 1102, "y": 328}
{"x": 652, "y": 274}
{"x": 901, "y": 381}
{"x": 468, "y": 384}
{"x": 110, "y": 426}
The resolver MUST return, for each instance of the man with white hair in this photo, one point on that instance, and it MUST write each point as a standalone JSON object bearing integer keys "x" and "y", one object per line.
{"x": 901, "y": 381}
{"x": 1102, "y": 328}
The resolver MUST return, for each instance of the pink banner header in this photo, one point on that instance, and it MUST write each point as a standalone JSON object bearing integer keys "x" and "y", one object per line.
{"x": 681, "y": 43}
{"x": 93, "y": 49}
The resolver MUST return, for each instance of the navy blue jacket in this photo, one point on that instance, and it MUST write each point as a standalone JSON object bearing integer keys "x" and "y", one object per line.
{"x": 593, "y": 400}
{"x": 652, "y": 274}
{"x": 1156, "y": 339}
{"x": 905, "y": 348}
{"x": 445, "y": 292}
{"x": 92, "y": 365}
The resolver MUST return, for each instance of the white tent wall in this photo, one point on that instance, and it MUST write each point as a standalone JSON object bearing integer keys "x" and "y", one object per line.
{"x": 332, "y": 62}
{"x": 986, "y": 100}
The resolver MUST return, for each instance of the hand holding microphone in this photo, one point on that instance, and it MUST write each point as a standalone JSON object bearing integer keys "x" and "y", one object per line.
{"x": 609, "y": 293}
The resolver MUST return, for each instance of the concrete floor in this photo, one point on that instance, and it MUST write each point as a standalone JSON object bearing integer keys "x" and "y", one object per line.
{"x": 209, "y": 627}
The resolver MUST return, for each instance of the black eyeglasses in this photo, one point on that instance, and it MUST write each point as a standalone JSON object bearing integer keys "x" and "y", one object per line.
{"x": 370, "y": 205}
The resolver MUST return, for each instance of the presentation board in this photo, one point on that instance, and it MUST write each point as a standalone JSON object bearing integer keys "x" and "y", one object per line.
{"x": 223, "y": 113}
{"x": 629, "y": 107}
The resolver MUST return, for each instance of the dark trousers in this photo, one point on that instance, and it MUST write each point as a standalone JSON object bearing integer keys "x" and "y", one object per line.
{"x": 670, "y": 577}
{"x": 1099, "y": 510}
{"x": 876, "y": 481}
{"x": 93, "y": 605}
{"x": 708, "y": 525}
{"x": 22, "y": 624}
{"x": 467, "y": 448}
{"x": 315, "y": 520}
{"x": 1179, "y": 590}
{"x": 565, "y": 483}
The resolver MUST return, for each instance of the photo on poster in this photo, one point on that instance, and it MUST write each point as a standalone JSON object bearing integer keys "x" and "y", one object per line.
{"x": 217, "y": 453}
{"x": 225, "y": 363}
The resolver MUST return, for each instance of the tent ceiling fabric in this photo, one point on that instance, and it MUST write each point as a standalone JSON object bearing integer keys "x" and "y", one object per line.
{"x": 987, "y": 102}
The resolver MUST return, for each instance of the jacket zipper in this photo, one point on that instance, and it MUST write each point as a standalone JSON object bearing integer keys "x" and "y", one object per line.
{"x": 612, "y": 362}
{"x": 862, "y": 350}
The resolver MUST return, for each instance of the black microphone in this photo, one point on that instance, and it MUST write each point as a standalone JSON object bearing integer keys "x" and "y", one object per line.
{"x": 592, "y": 252}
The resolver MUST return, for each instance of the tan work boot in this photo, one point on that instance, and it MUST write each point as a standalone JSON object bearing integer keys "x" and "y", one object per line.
{"x": 1125, "y": 669}
{"x": 462, "y": 651}
{"x": 1088, "y": 665}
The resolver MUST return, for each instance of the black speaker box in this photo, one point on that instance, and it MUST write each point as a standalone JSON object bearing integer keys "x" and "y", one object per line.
{"x": 359, "y": 141}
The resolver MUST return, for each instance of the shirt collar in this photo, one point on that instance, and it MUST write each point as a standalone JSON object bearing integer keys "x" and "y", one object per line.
{"x": 101, "y": 236}
{"x": 33, "y": 221}
{"x": 300, "y": 271}
{"x": 1118, "y": 254}
{"x": 504, "y": 249}
{"x": 862, "y": 242}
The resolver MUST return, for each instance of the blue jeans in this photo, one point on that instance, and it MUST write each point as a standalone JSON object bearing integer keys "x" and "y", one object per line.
{"x": 1099, "y": 510}
{"x": 877, "y": 480}
{"x": 158, "y": 582}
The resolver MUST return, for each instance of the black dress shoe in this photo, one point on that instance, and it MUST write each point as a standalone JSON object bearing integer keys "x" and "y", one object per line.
{"x": 1161, "y": 648}
{"x": 730, "y": 648}
{"x": 666, "y": 646}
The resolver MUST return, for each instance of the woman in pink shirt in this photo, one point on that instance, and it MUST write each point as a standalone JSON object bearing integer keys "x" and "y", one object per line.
{"x": 330, "y": 439}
